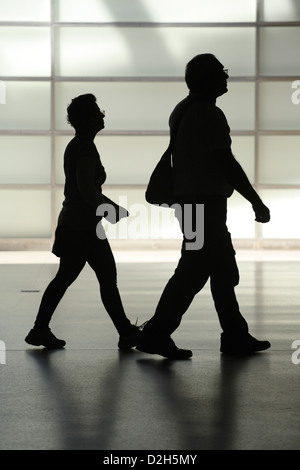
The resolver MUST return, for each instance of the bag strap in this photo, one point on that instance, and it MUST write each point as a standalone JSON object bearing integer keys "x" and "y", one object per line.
{"x": 176, "y": 125}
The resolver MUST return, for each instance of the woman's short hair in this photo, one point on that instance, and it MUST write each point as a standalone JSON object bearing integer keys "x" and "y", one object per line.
{"x": 80, "y": 109}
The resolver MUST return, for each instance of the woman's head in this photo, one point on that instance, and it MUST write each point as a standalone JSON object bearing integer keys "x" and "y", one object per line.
{"x": 84, "y": 114}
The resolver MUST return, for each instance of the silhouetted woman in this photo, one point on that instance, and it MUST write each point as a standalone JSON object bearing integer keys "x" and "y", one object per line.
{"x": 76, "y": 241}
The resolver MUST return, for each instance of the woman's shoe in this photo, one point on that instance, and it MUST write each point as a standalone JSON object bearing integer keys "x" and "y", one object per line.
{"x": 44, "y": 338}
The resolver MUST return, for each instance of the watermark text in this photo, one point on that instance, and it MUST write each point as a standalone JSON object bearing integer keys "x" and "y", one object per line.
{"x": 2, "y": 352}
{"x": 296, "y": 354}
{"x": 296, "y": 94}
{"x": 144, "y": 221}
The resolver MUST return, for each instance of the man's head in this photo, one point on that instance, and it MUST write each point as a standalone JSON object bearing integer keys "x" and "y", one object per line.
{"x": 205, "y": 74}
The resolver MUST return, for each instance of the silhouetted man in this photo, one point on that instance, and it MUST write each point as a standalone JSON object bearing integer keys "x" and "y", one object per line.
{"x": 205, "y": 172}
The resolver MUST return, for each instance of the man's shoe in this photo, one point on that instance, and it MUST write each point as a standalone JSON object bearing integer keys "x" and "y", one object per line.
{"x": 242, "y": 345}
{"x": 130, "y": 339}
{"x": 165, "y": 348}
{"x": 44, "y": 338}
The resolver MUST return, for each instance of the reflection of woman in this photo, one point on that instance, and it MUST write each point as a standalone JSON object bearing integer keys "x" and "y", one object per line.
{"x": 76, "y": 241}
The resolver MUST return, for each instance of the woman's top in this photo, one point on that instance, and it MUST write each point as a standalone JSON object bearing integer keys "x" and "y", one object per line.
{"x": 84, "y": 176}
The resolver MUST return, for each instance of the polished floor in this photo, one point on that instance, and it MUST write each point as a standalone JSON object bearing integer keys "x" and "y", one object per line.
{"x": 91, "y": 396}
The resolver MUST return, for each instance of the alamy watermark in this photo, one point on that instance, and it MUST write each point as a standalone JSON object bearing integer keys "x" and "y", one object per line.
{"x": 296, "y": 354}
{"x": 2, "y": 352}
{"x": 2, "y": 92}
{"x": 153, "y": 222}
{"x": 296, "y": 94}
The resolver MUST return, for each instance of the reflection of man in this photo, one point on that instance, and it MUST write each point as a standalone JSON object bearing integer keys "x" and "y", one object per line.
{"x": 205, "y": 172}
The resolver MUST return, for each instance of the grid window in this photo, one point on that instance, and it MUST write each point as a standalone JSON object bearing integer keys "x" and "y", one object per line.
{"x": 131, "y": 54}
{"x": 149, "y": 51}
{"x": 146, "y": 106}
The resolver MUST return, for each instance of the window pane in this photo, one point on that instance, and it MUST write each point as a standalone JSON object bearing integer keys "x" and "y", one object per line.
{"x": 276, "y": 109}
{"x": 239, "y": 106}
{"x": 280, "y": 10}
{"x": 120, "y": 52}
{"x": 25, "y": 51}
{"x": 243, "y": 148}
{"x": 285, "y": 41}
{"x": 279, "y": 159}
{"x": 25, "y": 214}
{"x": 25, "y": 160}
{"x": 284, "y": 207}
{"x": 155, "y": 10}
{"x": 18, "y": 10}
{"x": 27, "y": 106}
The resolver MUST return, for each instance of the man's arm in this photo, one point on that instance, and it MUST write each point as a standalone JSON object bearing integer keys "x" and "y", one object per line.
{"x": 238, "y": 179}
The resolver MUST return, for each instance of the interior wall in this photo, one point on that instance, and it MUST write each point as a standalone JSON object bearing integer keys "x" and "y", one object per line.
{"x": 132, "y": 55}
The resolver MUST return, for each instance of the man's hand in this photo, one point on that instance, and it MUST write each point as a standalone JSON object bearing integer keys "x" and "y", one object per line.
{"x": 262, "y": 213}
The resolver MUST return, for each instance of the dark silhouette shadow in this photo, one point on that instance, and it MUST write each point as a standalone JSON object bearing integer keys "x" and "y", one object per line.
{"x": 83, "y": 406}
{"x": 204, "y": 172}
{"x": 79, "y": 236}
{"x": 205, "y": 409}
{"x": 91, "y": 409}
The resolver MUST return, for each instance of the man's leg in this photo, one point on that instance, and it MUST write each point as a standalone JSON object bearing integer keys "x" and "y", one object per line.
{"x": 189, "y": 278}
{"x": 235, "y": 338}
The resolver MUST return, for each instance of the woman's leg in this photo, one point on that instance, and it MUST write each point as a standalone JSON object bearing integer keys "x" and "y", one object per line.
{"x": 102, "y": 261}
{"x": 69, "y": 269}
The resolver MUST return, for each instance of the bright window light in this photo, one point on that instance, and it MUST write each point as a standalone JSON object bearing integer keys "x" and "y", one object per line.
{"x": 28, "y": 10}
{"x": 283, "y": 205}
{"x": 150, "y": 51}
{"x": 25, "y": 51}
{"x": 25, "y": 214}
{"x": 27, "y": 106}
{"x": 156, "y": 11}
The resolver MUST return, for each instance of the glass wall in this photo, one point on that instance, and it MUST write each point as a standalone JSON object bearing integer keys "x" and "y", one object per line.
{"x": 131, "y": 54}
